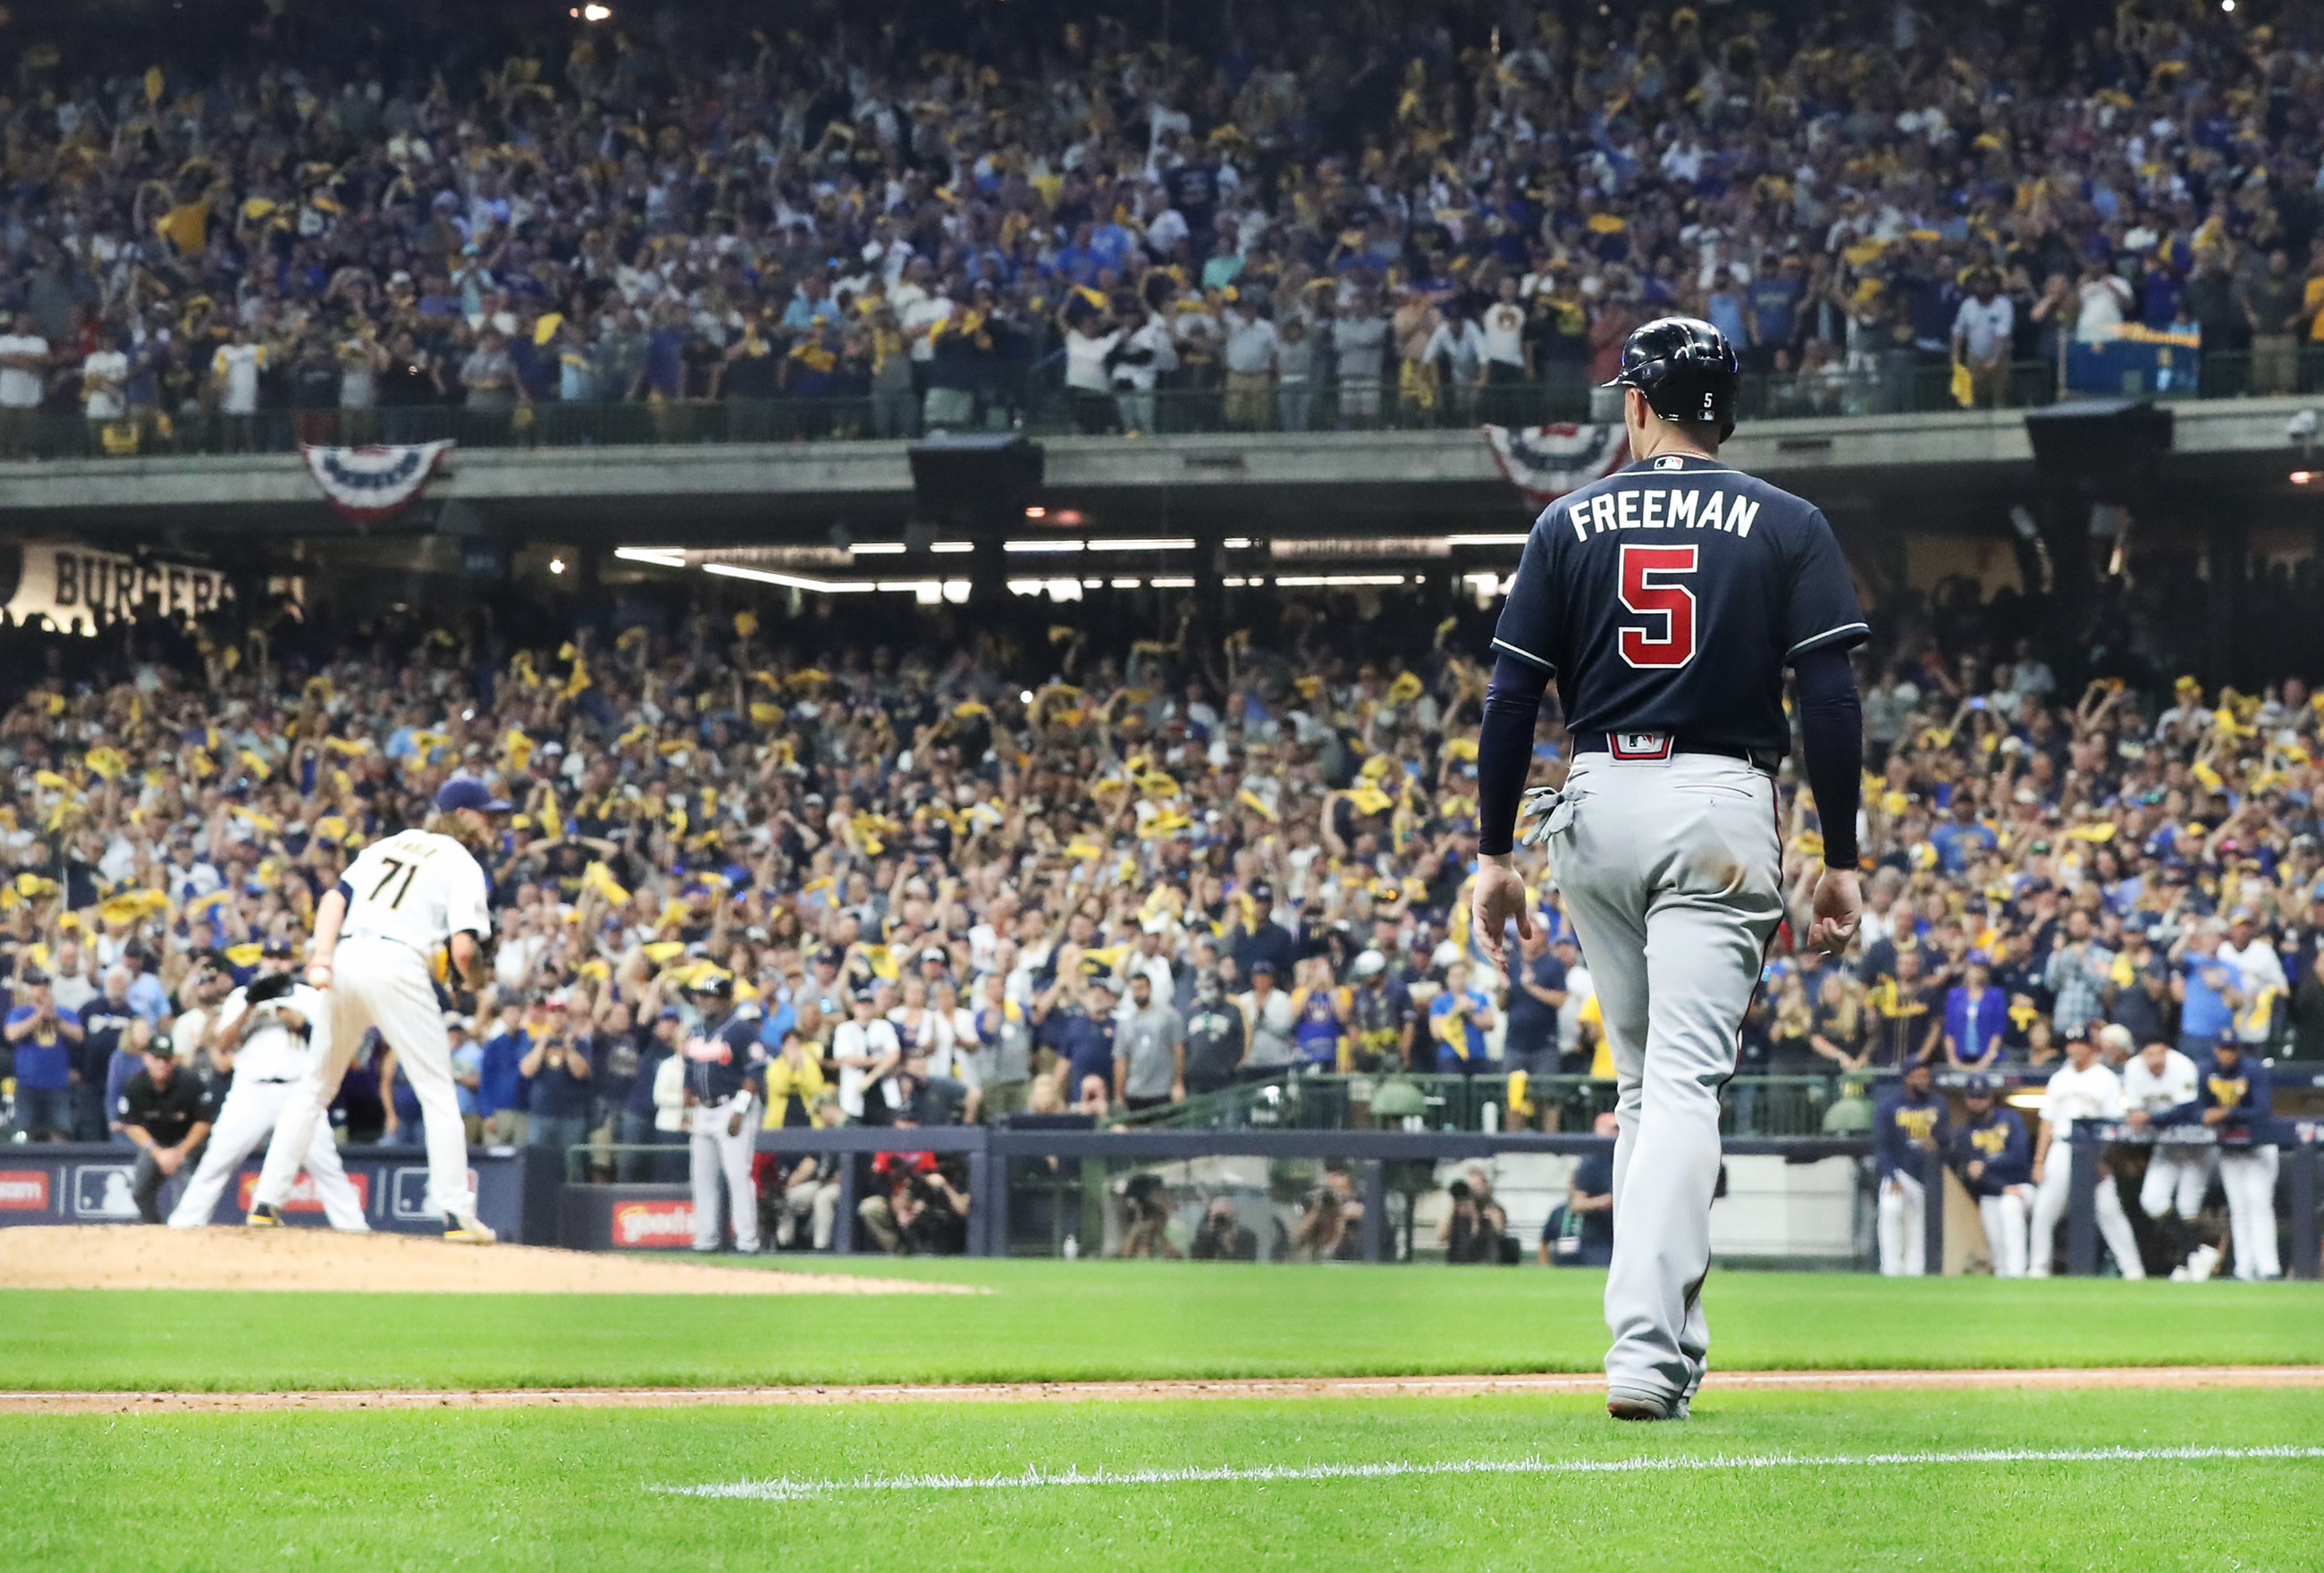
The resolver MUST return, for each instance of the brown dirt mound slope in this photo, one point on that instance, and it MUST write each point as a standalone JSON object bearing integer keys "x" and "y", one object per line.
{"x": 1593, "y": 1385}
{"x": 118, "y": 1257}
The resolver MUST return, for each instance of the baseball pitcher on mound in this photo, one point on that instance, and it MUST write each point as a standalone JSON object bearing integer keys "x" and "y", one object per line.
{"x": 402, "y": 897}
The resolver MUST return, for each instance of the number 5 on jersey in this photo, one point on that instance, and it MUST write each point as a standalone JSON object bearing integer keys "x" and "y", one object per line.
{"x": 1667, "y": 638}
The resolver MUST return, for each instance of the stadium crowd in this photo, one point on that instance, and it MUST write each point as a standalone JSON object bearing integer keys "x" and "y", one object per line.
{"x": 1040, "y": 871}
{"x": 1266, "y": 216}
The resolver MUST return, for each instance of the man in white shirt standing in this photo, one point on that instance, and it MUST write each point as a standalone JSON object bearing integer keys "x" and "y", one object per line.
{"x": 868, "y": 1052}
{"x": 2261, "y": 970}
{"x": 1505, "y": 351}
{"x": 233, "y": 372}
{"x": 2083, "y": 1089}
{"x": 2155, "y": 1081}
{"x": 23, "y": 381}
{"x": 103, "y": 387}
{"x": 1981, "y": 330}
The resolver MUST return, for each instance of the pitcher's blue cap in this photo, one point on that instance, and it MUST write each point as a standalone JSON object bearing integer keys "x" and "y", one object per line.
{"x": 467, "y": 792}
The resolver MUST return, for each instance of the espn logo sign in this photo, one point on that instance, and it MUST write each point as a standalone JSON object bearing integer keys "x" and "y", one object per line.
{"x": 304, "y": 1197}
{"x": 653, "y": 1225}
{"x": 23, "y": 1191}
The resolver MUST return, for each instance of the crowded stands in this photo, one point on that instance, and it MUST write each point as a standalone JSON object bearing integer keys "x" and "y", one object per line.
{"x": 693, "y": 226}
{"x": 998, "y": 848}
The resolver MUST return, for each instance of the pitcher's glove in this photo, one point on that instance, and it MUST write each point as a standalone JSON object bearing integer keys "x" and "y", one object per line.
{"x": 274, "y": 986}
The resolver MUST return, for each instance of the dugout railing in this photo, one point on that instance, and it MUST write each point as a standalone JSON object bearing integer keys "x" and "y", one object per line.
{"x": 1031, "y": 1189}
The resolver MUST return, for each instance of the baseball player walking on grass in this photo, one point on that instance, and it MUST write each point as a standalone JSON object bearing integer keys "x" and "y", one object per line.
{"x": 375, "y": 932}
{"x": 270, "y": 1028}
{"x": 1666, "y": 600}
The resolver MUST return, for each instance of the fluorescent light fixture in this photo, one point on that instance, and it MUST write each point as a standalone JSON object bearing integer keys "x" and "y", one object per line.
{"x": 787, "y": 581}
{"x": 1128, "y": 583}
{"x": 1093, "y": 583}
{"x": 1391, "y": 545}
{"x": 957, "y": 591}
{"x": 1172, "y": 584}
{"x": 1472, "y": 540}
{"x": 1236, "y": 543}
{"x": 660, "y": 556}
{"x": 878, "y": 548}
{"x": 1037, "y": 513}
{"x": 1041, "y": 546}
{"x": 1158, "y": 544}
{"x": 953, "y": 548}
{"x": 1332, "y": 580}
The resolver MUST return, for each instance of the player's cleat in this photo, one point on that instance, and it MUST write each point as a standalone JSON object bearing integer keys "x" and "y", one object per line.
{"x": 1635, "y": 1406}
{"x": 2202, "y": 1263}
{"x": 262, "y": 1215}
{"x": 2179, "y": 1274}
{"x": 467, "y": 1230}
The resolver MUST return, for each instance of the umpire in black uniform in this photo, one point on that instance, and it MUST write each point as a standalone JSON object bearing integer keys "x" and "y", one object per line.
{"x": 167, "y": 1111}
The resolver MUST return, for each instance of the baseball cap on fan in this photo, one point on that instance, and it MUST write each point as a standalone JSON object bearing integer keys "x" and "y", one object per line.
{"x": 467, "y": 792}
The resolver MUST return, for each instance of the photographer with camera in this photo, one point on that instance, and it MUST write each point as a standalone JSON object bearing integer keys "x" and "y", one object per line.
{"x": 1222, "y": 1237}
{"x": 1331, "y": 1228}
{"x": 265, "y": 1036}
{"x": 1475, "y": 1228}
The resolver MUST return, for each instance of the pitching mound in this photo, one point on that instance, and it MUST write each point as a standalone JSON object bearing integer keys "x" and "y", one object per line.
{"x": 118, "y": 1257}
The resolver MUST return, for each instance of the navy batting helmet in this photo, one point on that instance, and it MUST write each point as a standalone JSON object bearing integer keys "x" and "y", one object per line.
{"x": 1686, "y": 369}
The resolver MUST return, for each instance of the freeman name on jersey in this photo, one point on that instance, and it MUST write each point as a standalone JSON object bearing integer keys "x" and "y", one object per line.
{"x": 1660, "y": 510}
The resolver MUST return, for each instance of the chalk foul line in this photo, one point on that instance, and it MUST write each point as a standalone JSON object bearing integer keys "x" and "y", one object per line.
{"x": 789, "y": 1490}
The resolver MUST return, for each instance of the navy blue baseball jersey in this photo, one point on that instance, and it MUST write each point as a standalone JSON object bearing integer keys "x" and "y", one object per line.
{"x": 1669, "y": 597}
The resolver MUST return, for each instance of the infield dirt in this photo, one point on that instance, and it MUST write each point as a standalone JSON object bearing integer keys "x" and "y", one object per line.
{"x": 111, "y": 1256}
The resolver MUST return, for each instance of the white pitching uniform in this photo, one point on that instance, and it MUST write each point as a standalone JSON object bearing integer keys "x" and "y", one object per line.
{"x": 267, "y": 1070}
{"x": 406, "y": 896}
{"x": 2177, "y": 1173}
{"x": 2094, "y": 1094}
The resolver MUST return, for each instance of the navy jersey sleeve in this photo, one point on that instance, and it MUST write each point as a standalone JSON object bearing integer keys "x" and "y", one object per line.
{"x": 1820, "y": 606}
{"x": 1528, "y": 617}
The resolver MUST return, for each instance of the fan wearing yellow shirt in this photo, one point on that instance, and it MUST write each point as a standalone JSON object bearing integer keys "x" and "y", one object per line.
{"x": 1590, "y": 1030}
{"x": 795, "y": 1081}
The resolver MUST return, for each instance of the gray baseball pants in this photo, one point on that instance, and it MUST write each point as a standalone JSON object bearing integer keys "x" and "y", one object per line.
{"x": 1672, "y": 873}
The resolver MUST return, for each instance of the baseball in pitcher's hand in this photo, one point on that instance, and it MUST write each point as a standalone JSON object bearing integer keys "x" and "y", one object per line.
{"x": 1499, "y": 897}
{"x": 1838, "y": 907}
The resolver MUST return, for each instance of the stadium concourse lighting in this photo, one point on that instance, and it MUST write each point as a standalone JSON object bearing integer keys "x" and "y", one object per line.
{"x": 1329, "y": 581}
{"x": 790, "y": 581}
{"x": 591, "y": 13}
{"x": 1043, "y": 546}
{"x": 1156, "y": 544}
{"x": 878, "y": 548}
{"x": 950, "y": 547}
{"x": 557, "y": 565}
{"x": 1485, "y": 540}
{"x": 660, "y": 556}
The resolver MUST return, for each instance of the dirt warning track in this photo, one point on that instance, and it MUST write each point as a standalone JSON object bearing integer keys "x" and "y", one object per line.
{"x": 1547, "y": 1385}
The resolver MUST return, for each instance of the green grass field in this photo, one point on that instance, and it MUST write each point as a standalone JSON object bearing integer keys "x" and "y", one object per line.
{"x": 570, "y": 1491}
{"x": 1755, "y": 1480}
{"x": 1098, "y": 1319}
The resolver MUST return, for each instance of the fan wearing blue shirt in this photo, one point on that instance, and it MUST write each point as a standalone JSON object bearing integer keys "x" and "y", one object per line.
{"x": 45, "y": 1035}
